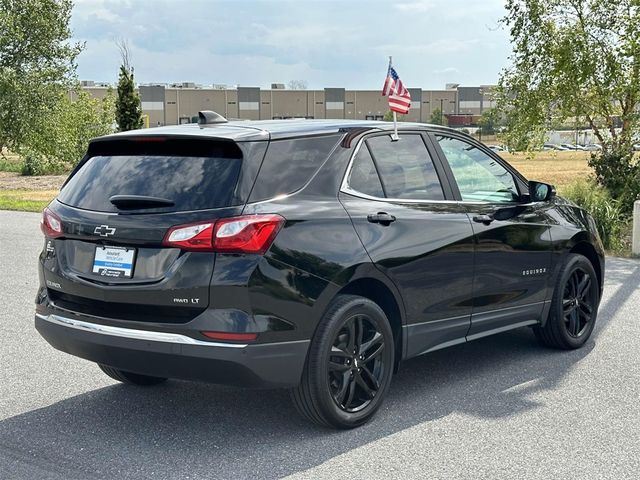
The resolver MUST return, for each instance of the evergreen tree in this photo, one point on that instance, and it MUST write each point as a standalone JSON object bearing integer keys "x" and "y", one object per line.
{"x": 128, "y": 107}
{"x": 437, "y": 118}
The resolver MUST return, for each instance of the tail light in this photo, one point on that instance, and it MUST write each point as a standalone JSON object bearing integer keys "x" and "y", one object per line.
{"x": 244, "y": 234}
{"x": 50, "y": 224}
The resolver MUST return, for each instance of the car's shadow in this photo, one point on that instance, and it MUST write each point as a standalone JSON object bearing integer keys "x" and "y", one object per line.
{"x": 210, "y": 431}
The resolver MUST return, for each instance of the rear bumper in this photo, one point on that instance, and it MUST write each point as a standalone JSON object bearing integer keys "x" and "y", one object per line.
{"x": 173, "y": 355}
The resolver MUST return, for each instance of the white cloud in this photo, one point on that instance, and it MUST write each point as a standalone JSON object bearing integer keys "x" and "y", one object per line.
{"x": 445, "y": 71}
{"x": 415, "y": 7}
{"x": 255, "y": 42}
{"x": 445, "y": 45}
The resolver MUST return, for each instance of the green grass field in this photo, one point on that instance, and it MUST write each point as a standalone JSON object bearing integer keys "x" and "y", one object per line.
{"x": 26, "y": 200}
{"x": 557, "y": 168}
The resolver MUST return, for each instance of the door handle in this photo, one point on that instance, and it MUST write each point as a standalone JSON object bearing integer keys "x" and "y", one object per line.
{"x": 383, "y": 218}
{"x": 484, "y": 219}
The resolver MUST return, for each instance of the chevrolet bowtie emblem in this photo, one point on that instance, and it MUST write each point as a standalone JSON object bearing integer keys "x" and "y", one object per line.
{"x": 104, "y": 230}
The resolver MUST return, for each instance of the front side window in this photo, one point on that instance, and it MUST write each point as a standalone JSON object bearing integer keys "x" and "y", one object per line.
{"x": 405, "y": 168}
{"x": 479, "y": 176}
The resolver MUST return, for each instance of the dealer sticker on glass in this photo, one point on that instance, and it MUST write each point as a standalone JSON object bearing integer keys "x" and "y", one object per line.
{"x": 114, "y": 262}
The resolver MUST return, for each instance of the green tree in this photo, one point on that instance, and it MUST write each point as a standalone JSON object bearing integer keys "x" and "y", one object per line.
{"x": 437, "y": 118}
{"x": 489, "y": 121}
{"x": 36, "y": 65}
{"x": 580, "y": 60}
{"x": 59, "y": 145}
{"x": 388, "y": 117}
{"x": 128, "y": 107}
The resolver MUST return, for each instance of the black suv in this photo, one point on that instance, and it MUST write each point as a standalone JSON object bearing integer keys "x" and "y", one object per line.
{"x": 309, "y": 254}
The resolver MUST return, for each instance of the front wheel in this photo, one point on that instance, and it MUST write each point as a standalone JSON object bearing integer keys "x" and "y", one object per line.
{"x": 349, "y": 365}
{"x": 574, "y": 306}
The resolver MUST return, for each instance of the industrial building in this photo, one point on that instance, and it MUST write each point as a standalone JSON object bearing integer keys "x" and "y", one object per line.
{"x": 179, "y": 103}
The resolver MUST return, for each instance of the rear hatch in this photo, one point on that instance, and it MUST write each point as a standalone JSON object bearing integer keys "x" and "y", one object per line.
{"x": 115, "y": 211}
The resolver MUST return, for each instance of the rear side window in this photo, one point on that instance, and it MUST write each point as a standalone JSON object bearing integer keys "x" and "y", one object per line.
{"x": 289, "y": 164}
{"x": 406, "y": 168}
{"x": 191, "y": 183}
{"x": 364, "y": 177}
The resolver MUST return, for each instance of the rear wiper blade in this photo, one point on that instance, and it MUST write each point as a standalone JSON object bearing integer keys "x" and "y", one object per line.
{"x": 139, "y": 201}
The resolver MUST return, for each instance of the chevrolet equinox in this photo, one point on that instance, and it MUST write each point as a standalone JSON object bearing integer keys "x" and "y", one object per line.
{"x": 313, "y": 255}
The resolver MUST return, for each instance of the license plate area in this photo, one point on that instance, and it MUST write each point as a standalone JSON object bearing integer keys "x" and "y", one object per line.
{"x": 114, "y": 262}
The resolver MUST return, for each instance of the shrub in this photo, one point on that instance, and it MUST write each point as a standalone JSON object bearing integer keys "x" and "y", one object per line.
{"x": 608, "y": 212}
{"x": 620, "y": 174}
{"x": 34, "y": 164}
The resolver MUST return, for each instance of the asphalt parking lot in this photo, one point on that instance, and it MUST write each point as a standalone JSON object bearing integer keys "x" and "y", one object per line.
{"x": 502, "y": 407}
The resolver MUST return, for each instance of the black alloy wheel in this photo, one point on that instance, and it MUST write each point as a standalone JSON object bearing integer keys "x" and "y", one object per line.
{"x": 574, "y": 306}
{"x": 349, "y": 364}
{"x": 356, "y": 364}
{"x": 578, "y": 303}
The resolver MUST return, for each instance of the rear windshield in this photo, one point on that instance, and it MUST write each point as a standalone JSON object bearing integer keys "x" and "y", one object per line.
{"x": 191, "y": 183}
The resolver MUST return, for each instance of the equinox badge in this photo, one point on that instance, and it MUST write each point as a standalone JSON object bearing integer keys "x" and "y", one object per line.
{"x": 104, "y": 230}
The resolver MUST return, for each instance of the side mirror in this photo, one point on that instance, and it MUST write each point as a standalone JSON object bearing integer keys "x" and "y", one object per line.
{"x": 541, "y": 192}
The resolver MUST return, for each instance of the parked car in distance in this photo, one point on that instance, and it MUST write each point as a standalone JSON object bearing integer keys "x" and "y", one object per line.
{"x": 313, "y": 255}
{"x": 553, "y": 146}
{"x": 573, "y": 146}
{"x": 593, "y": 147}
{"x": 498, "y": 148}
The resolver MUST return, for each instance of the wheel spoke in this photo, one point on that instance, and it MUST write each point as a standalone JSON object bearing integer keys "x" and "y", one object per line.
{"x": 570, "y": 290}
{"x": 366, "y": 375}
{"x": 567, "y": 306}
{"x": 584, "y": 315}
{"x": 573, "y": 318}
{"x": 576, "y": 323}
{"x": 575, "y": 280}
{"x": 586, "y": 308}
{"x": 359, "y": 324}
{"x": 374, "y": 354}
{"x": 376, "y": 339}
{"x": 351, "y": 325}
{"x": 346, "y": 381}
{"x": 338, "y": 366}
{"x": 584, "y": 287}
{"x": 363, "y": 385}
{"x": 352, "y": 391}
{"x": 338, "y": 352}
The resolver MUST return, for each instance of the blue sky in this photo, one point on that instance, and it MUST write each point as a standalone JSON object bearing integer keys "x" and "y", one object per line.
{"x": 326, "y": 43}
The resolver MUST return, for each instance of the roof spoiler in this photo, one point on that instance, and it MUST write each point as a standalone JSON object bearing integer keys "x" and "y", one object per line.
{"x": 209, "y": 117}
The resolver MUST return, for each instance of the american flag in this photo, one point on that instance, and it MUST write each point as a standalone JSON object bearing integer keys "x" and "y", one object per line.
{"x": 399, "y": 98}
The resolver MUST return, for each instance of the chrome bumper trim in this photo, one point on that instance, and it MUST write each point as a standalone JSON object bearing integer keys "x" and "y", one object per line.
{"x": 132, "y": 333}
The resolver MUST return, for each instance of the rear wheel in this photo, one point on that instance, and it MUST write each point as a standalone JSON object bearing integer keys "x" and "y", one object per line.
{"x": 574, "y": 306}
{"x": 131, "y": 378}
{"x": 349, "y": 365}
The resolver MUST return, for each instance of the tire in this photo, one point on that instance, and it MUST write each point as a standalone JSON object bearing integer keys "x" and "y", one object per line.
{"x": 340, "y": 388}
{"x": 574, "y": 306}
{"x": 131, "y": 378}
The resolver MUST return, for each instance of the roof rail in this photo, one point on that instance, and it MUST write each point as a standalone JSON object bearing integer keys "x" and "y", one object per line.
{"x": 209, "y": 117}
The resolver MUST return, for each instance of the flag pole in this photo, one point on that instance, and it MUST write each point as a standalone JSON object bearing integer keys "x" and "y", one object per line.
{"x": 394, "y": 136}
